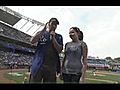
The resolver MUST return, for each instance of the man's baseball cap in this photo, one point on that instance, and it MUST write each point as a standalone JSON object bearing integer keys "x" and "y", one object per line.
{"x": 54, "y": 20}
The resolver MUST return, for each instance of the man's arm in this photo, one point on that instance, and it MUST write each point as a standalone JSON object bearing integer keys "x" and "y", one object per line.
{"x": 36, "y": 37}
{"x": 57, "y": 46}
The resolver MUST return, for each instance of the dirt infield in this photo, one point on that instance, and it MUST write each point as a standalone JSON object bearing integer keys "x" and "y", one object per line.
{"x": 3, "y": 79}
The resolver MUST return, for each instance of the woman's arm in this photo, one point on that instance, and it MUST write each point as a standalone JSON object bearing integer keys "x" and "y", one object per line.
{"x": 84, "y": 60}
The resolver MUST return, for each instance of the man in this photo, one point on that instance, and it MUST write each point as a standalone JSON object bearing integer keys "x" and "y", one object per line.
{"x": 46, "y": 62}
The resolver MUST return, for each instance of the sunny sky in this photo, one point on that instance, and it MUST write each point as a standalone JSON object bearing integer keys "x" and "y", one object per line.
{"x": 100, "y": 25}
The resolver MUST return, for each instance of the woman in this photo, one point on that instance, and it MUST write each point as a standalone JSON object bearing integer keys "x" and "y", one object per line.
{"x": 75, "y": 61}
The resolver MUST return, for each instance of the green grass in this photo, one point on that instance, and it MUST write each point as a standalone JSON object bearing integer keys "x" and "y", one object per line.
{"x": 17, "y": 79}
{"x": 105, "y": 77}
{"x": 102, "y": 77}
{"x": 94, "y": 82}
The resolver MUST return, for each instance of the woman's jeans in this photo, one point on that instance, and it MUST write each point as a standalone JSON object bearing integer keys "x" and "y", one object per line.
{"x": 71, "y": 78}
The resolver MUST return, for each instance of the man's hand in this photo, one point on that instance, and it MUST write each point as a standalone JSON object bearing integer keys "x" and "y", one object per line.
{"x": 52, "y": 33}
{"x": 57, "y": 74}
{"x": 82, "y": 80}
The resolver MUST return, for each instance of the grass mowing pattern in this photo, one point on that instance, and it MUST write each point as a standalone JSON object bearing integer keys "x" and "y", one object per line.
{"x": 102, "y": 77}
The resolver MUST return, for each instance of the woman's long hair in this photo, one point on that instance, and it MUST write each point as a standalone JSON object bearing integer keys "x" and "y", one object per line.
{"x": 80, "y": 33}
{"x": 45, "y": 27}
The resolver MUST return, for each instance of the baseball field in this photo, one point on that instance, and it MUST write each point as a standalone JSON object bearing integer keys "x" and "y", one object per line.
{"x": 17, "y": 76}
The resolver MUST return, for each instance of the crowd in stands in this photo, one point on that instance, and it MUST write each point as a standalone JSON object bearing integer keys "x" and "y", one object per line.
{"x": 18, "y": 60}
{"x": 11, "y": 58}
